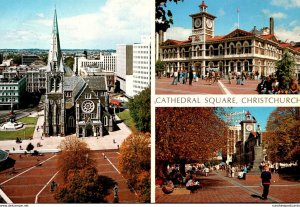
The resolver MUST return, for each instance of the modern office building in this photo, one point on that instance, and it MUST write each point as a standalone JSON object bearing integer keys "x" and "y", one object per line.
{"x": 12, "y": 91}
{"x": 124, "y": 69}
{"x": 141, "y": 65}
{"x": 105, "y": 63}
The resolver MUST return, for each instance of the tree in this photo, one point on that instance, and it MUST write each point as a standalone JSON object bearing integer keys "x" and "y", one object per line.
{"x": 159, "y": 66}
{"x": 140, "y": 110}
{"x": 282, "y": 139}
{"x": 285, "y": 67}
{"x": 185, "y": 135}
{"x": 17, "y": 59}
{"x": 85, "y": 186}
{"x": 29, "y": 147}
{"x": 75, "y": 155}
{"x": 163, "y": 19}
{"x": 69, "y": 62}
{"x": 134, "y": 162}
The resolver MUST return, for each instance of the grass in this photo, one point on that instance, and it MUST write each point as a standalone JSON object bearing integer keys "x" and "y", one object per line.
{"x": 127, "y": 119}
{"x": 28, "y": 120}
{"x": 9, "y": 135}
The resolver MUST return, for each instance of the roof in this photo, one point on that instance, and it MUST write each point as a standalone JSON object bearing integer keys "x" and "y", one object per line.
{"x": 178, "y": 42}
{"x": 285, "y": 44}
{"x": 71, "y": 82}
{"x": 215, "y": 38}
{"x": 96, "y": 83}
{"x": 203, "y": 4}
{"x": 296, "y": 48}
{"x": 238, "y": 32}
{"x": 3, "y": 155}
{"x": 116, "y": 102}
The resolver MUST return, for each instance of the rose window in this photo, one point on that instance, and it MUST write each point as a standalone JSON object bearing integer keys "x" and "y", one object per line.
{"x": 88, "y": 106}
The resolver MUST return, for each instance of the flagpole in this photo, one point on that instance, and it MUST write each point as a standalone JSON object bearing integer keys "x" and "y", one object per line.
{"x": 238, "y": 15}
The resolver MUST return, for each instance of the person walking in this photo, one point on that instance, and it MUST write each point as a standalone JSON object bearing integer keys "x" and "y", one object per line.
{"x": 265, "y": 179}
{"x": 191, "y": 77}
{"x": 245, "y": 171}
{"x": 175, "y": 74}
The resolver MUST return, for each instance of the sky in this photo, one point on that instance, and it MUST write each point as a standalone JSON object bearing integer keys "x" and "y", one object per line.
{"x": 286, "y": 14}
{"x": 83, "y": 24}
{"x": 261, "y": 114}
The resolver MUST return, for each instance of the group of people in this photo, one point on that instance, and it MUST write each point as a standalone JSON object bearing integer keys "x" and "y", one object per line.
{"x": 184, "y": 76}
{"x": 175, "y": 178}
{"x": 241, "y": 171}
{"x": 271, "y": 85}
{"x": 240, "y": 77}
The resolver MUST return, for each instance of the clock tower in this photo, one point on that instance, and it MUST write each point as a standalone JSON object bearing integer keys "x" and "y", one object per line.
{"x": 202, "y": 25}
{"x": 248, "y": 125}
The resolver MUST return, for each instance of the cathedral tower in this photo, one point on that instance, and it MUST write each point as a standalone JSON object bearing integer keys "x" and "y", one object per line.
{"x": 54, "y": 123}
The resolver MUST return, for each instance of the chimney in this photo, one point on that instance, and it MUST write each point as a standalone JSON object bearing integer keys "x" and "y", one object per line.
{"x": 271, "y": 25}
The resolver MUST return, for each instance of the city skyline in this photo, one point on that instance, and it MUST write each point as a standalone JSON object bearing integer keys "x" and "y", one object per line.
{"x": 251, "y": 13}
{"x": 92, "y": 25}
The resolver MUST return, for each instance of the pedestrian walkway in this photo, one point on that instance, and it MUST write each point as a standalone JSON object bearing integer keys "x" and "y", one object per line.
{"x": 221, "y": 189}
{"x": 163, "y": 86}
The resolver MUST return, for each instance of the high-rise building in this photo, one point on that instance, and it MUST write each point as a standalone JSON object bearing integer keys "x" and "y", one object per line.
{"x": 141, "y": 65}
{"x": 124, "y": 71}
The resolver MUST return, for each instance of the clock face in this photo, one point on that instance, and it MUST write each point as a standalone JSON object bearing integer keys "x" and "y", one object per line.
{"x": 197, "y": 23}
{"x": 209, "y": 23}
{"x": 249, "y": 127}
{"x": 88, "y": 106}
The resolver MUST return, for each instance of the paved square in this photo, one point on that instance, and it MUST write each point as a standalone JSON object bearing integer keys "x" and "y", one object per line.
{"x": 217, "y": 188}
{"x": 163, "y": 86}
{"x": 30, "y": 183}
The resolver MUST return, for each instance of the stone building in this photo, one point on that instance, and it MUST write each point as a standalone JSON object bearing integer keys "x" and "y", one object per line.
{"x": 73, "y": 103}
{"x": 254, "y": 51}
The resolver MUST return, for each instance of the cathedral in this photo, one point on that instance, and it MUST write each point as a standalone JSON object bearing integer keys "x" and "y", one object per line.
{"x": 74, "y": 104}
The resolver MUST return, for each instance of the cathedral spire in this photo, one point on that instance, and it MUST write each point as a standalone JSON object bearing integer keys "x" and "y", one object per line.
{"x": 55, "y": 57}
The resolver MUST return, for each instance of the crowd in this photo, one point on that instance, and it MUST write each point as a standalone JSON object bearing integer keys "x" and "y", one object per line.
{"x": 271, "y": 85}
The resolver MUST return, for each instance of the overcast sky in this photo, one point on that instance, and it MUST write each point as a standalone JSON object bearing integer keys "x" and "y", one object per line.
{"x": 83, "y": 24}
{"x": 252, "y": 13}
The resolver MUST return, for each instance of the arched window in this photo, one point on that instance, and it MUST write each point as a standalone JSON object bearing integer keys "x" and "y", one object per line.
{"x": 52, "y": 86}
{"x": 105, "y": 121}
{"x": 221, "y": 50}
{"x": 231, "y": 49}
{"x": 198, "y": 51}
{"x": 71, "y": 121}
{"x": 239, "y": 48}
{"x": 246, "y": 66}
{"x": 182, "y": 53}
{"x": 211, "y": 50}
{"x": 58, "y": 82}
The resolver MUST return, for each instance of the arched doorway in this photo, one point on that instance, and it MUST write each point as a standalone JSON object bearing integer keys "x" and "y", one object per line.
{"x": 89, "y": 130}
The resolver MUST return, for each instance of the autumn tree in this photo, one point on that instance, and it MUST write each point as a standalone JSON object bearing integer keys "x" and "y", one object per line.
{"x": 282, "y": 139}
{"x": 74, "y": 156}
{"x": 285, "y": 67}
{"x": 140, "y": 110}
{"x": 134, "y": 162}
{"x": 85, "y": 186}
{"x": 185, "y": 135}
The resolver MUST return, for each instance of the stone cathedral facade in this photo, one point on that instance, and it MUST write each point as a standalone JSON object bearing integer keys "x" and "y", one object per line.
{"x": 74, "y": 104}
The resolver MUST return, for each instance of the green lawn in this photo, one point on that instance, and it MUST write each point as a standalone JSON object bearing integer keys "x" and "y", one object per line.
{"x": 6, "y": 135}
{"x": 28, "y": 120}
{"x": 125, "y": 116}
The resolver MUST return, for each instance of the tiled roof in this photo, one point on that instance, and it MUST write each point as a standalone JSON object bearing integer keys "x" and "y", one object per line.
{"x": 285, "y": 44}
{"x": 215, "y": 38}
{"x": 96, "y": 82}
{"x": 178, "y": 42}
{"x": 296, "y": 48}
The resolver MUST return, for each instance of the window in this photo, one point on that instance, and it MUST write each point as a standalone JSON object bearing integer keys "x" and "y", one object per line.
{"x": 105, "y": 121}
{"x": 68, "y": 94}
{"x": 88, "y": 96}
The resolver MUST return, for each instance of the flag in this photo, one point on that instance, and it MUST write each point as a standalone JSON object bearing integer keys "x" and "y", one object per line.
{"x": 238, "y": 10}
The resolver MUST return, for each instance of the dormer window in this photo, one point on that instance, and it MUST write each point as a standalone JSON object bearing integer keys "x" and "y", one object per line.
{"x": 68, "y": 94}
{"x": 88, "y": 96}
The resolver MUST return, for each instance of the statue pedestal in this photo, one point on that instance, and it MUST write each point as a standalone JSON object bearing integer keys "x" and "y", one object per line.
{"x": 258, "y": 157}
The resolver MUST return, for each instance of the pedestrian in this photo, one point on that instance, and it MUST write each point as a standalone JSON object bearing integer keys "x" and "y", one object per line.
{"x": 175, "y": 74}
{"x": 232, "y": 171}
{"x": 116, "y": 196}
{"x": 265, "y": 179}
{"x": 206, "y": 170}
{"x": 191, "y": 77}
{"x": 245, "y": 171}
